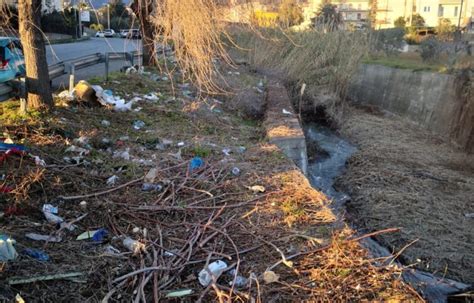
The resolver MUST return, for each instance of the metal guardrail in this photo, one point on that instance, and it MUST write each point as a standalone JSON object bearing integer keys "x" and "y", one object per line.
{"x": 63, "y": 68}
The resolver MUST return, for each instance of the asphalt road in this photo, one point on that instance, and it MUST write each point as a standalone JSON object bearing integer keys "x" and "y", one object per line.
{"x": 69, "y": 51}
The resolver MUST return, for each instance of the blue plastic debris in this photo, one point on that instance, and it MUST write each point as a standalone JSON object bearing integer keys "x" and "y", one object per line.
{"x": 37, "y": 254}
{"x": 196, "y": 163}
{"x": 7, "y": 146}
{"x": 99, "y": 235}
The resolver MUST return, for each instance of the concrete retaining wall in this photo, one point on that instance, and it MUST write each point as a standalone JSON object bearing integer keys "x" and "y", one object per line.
{"x": 284, "y": 130}
{"x": 442, "y": 103}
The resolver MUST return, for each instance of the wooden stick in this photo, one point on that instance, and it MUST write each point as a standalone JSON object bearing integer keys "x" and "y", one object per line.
{"x": 101, "y": 192}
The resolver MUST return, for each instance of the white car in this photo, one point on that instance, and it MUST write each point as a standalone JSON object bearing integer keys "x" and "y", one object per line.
{"x": 100, "y": 34}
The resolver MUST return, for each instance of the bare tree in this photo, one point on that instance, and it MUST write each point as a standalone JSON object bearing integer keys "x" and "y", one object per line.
{"x": 37, "y": 77}
{"x": 143, "y": 10}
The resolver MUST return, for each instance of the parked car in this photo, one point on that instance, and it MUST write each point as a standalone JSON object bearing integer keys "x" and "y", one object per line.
{"x": 123, "y": 33}
{"x": 12, "y": 61}
{"x": 134, "y": 34}
{"x": 109, "y": 33}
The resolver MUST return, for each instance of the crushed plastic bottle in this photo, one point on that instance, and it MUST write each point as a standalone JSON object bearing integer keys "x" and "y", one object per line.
{"x": 133, "y": 245}
{"x": 239, "y": 281}
{"x": 152, "y": 187}
{"x": 49, "y": 212}
{"x": 138, "y": 124}
{"x": 7, "y": 250}
{"x": 212, "y": 271}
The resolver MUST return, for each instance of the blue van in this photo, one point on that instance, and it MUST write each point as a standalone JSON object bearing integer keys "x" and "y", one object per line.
{"x": 12, "y": 61}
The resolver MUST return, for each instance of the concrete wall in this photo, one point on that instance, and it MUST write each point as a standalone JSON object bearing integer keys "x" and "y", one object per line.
{"x": 440, "y": 102}
{"x": 284, "y": 130}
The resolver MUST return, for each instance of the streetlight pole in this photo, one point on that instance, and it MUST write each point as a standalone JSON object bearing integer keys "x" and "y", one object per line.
{"x": 108, "y": 16}
{"x": 460, "y": 15}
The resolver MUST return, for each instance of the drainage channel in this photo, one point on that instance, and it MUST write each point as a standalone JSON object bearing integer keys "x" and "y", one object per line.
{"x": 327, "y": 154}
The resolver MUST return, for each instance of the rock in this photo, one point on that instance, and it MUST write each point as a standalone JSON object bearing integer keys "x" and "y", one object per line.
{"x": 249, "y": 103}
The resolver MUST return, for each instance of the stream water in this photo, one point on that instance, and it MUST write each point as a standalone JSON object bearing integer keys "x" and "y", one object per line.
{"x": 322, "y": 171}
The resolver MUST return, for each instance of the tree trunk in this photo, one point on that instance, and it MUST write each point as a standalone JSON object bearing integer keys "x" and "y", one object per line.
{"x": 37, "y": 77}
{"x": 143, "y": 9}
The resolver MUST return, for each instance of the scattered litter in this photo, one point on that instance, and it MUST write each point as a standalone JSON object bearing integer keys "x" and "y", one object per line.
{"x": 82, "y": 140}
{"x": 83, "y": 204}
{"x": 236, "y": 171}
{"x": 105, "y": 123}
{"x": 131, "y": 70}
{"x": 77, "y": 149}
{"x": 137, "y": 109}
{"x": 7, "y": 250}
{"x": 110, "y": 250}
{"x": 49, "y": 212}
{"x": 151, "y": 175}
{"x": 66, "y": 95}
{"x": 227, "y": 151}
{"x": 196, "y": 163}
{"x": 136, "y": 230}
{"x": 106, "y": 97}
{"x": 257, "y": 188}
{"x": 36, "y": 254}
{"x": 44, "y": 278}
{"x": 239, "y": 281}
{"x": 152, "y": 187}
{"x": 212, "y": 271}
{"x": 133, "y": 245}
{"x": 111, "y": 180}
{"x": 96, "y": 235}
{"x": 122, "y": 154}
{"x": 469, "y": 215}
{"x": 260, "y": 83}
{"x": 242, "y": 149}
{"x": 68, "y": 226}
{"x": 47, "y": 238}
{"x": 138, "y": 124}
{"x": 151, "y": 97}
{"x": 19, "y": 299}
{"x": 39, "y": 161}
{"x": 180, "y": 144}
{"x": 285, "y": 112}
{"x": 179, "y": 293}
{"x": 270, "y": 277}
{"x": 50, "y": 208}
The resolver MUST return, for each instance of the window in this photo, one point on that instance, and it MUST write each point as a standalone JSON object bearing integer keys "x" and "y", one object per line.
{"x": 426, "y": 9}
{"x": 440, "y": 11}
{"x": 456, "y": 11}
{"x": 358, "y": 16}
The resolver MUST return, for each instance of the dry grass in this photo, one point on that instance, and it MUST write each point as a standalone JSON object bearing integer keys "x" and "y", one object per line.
{"x": 324, "y": 62}
{"x": 205, "y": 215}
{"x": 407, "y": 177}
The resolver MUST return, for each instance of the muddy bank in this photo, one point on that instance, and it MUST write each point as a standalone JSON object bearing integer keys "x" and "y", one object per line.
{"x": 403, "y": 176}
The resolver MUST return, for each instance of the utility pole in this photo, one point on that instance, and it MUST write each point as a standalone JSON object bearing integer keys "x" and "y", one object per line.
{"x": 460, "y": 15}
{"x": 80, "y": 19}
{"x": 108, "y": 16}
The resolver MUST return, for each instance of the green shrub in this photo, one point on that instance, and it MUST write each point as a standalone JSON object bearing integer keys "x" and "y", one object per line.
{"x": 388, "y": 40}
{"x": 430, "y": 49}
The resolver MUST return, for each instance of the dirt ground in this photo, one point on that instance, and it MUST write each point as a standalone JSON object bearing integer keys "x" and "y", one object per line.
{"x": 280, "y": 238}
{"x": 404, "y": 176}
